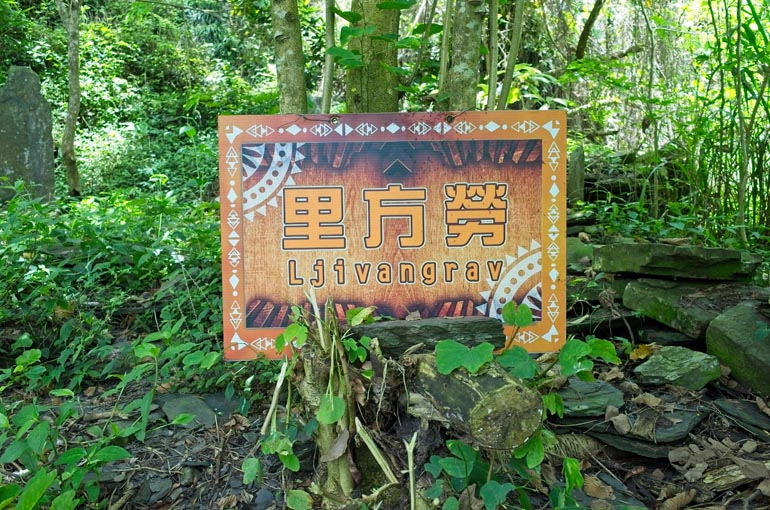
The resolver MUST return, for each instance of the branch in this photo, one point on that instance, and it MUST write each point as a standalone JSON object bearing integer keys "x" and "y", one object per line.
{"x": 586, "y": 33}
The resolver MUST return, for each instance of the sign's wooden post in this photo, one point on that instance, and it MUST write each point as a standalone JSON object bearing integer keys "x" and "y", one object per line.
{"x": 448, "y": 214}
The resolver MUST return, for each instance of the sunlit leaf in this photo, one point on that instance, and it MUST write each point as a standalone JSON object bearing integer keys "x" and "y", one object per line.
{"x": 331, "y": 409}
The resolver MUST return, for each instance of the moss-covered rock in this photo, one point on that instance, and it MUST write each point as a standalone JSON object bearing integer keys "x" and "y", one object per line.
{"x": 740, "y": 339}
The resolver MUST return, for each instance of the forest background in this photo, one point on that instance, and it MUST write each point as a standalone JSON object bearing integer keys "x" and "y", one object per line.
{"x": 672, "y": 93}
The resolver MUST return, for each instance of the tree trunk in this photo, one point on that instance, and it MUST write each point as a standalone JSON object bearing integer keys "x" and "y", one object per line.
{"x": 463, "y": 76}
{"x": 289, "y": 59}
{"x": 490, "y": 409}
{"x": 582, "y": 44}
{"x": 372, "y": 87}
{"x": 70, "y": 16}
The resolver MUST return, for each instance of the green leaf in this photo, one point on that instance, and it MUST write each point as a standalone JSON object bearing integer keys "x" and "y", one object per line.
{"x": 493, "y": 494}
{"x": 517, "y": 315}
{"x": 15, "y": 450}
{"x": 436, "y": 490}
{"x": 70, "y": 457}
{"x": 252, "y": 470}
{"x": 451, "y": 355}
{"x": 298, "y": 500}
{"x": 348, "y": 33}
{"x": 296, "y": 334}
{"x": 410, "y": 42}
{"x": 65, "y": 501}
{"x": 183, "y": 419}
{"x": 604, "y": 349}
{"x": 572, "y": 357}
{"x": 28, "y": 357}
{"x": 210, "y": 359}
{"x": 451, "y": 504}
{"x": 38, "y": 437}
{"x": 35, "y": 489}
{"x": 8, "y": 493}
{"x": 434, "y": 466}
{"x": 331, "y": 409}
{"x": 572, "y": 474}
{"x": 519, "y": 362}
{"x": 532, "y": 450}
{"x": 64, "y": 392}
{"x": 396, "y": 4}
{"x": 433, "y": 30}
{"x": 147, "y": 350}
{"x": 359, "y": 315}
{"x": 349, "y": 16}
{"x": 111, "y": 453}
{"x": 194, "y": 358}
{"x": 458, "y": 468}
{"x": 553, "y": 404}
{"x": 462, "y": 450}
{"x": 290, "y": 461}
{"x": 4, "y": 423}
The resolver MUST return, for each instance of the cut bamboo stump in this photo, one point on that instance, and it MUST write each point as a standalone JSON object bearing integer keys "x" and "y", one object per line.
{"x": 490, "y": 409}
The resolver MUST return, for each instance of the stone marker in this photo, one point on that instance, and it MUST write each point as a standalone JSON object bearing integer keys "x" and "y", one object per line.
{"x": 679, "y": 366}
{"x": 657, "y": 259}
{"x": 739, "y": 338}
{"x": 26, "y": 142}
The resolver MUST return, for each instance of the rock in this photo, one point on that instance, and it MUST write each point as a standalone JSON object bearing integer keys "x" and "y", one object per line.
{"x": 583, "y": 398}
{"x": 224, "y": 407}
{"x": 264, "y": 500}
{"x": 671, "y": 303}
{"x": 26, "y": 141}
{"x": 576, "y": 172}
{"x": 174, "y": 405}
{"x": 490, "y": 408}
{"x": 657, "y": 259}
{"x": 397, "y": 336}
{"x": 661, "y": 335}
{"x": 679, "y": 366}
{"x": 747, "y": 416}
{"x": 579, "y": 256}
{"x": 739, "y": 338}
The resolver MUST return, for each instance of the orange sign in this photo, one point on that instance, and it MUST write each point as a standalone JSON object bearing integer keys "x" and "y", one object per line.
{"x": 447, "y": 214}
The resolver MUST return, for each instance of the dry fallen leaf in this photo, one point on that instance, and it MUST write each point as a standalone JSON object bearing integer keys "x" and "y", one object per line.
{"x": 611, "y": 412}
{"x": 764, "y": 487}
{"x": 584, "y": 237}
{"x": 622, "y": 424}
{"x": 413, "y": 316}
{"x": 595, "y": 488}
{"x": 750, "y": 446}
{"x": 762, "y": 405}
{"x": 642, "y": 351}
{"x": 696, "y": 472}
{"x": 679, "y": 501}
{"x": 230, "y": 501}
{"x": 613, "y": 374}
{"x": 647, "y": 399}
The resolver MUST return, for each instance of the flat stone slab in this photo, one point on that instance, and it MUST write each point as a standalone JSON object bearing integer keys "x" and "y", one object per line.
{"x": 677, "y": 305}
{"x": 397, "y": 336}
{"x": 657, "y": 259}
{"x": 174, "y": 405}
{"x": 739, "y": 337}
{"x": 679, "y": 366}
{"x": 583, "y": 398}
{"x": 687, "y": 307}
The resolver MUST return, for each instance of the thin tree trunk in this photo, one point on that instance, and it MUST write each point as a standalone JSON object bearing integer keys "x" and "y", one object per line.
{"x": 513, "y": 54}
{"x": 289, "y": 60}
{"x": 328, "y": 77}
{"x": 373, "y": 87}
{"x": 70, "y": 16}
{"x": 463, "y": 76}
{"x": 493, "y": 55}
{"x": 582, "y": 44}
{"x": 743, "y": 165}
{"x": 446, "y": 41}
